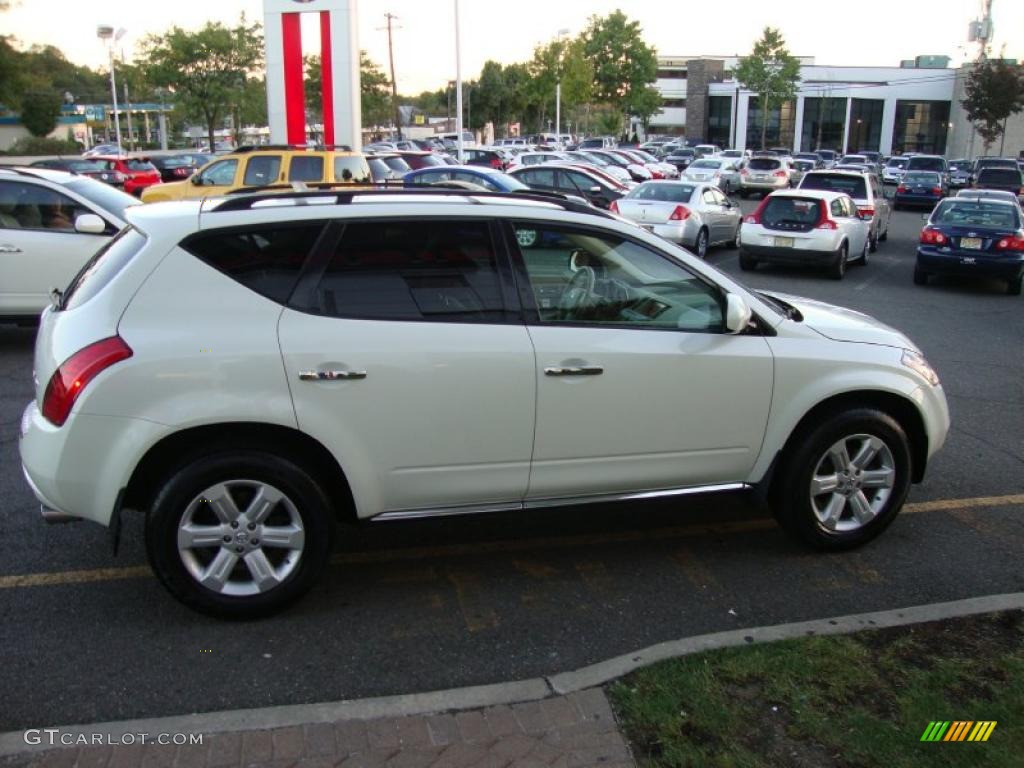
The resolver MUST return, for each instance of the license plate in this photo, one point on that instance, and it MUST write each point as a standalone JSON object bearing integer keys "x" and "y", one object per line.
{"x": 783, "y": 242}
{"x": 760, "y": 176}
{"x": 974, "y": 243}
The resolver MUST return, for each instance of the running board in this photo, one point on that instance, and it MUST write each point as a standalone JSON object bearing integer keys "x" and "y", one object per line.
{"x": 562, "y": 501}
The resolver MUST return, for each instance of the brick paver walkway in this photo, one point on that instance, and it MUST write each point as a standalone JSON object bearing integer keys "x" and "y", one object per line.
{"x": 572, "y": 731}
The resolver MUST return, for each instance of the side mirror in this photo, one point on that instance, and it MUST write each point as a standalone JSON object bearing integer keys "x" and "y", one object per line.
{"x": 737, "y": 313}
{"x": 90, "y": 224}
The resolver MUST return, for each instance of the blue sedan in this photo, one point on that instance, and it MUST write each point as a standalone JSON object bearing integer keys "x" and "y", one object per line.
{"x": 489, "y": 179}
{"x": 983, "y": 238}
{"x": 923, "y": 188}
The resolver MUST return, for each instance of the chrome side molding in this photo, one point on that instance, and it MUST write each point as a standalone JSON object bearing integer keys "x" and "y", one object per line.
{"x": 561, "y": 501}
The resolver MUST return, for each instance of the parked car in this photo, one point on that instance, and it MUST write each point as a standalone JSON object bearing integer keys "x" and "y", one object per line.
{"x": 51, "y": 223}
{"x": 571, "y": 180}
{"x": 857, "y": 159}
{"x": 929, "y": 163}
{"x": 1005, "y": 179}
{"x": 920, "y": 188}
{"x": 696, "y": 216}
{"x": 138, "y": 172}
{"x": 486, "y": 157}
{"x": 667, "y": 170}
{"x": 597, "y": 142}
{"x": 630, "y": 156}
{"x": 812, "y": 157}
{"x": 180, "y": 166}
{"x": 894, "y": 168}
{"x": 242, "y": 411}
{"x": 806, "y": 227}
{"x": 636, "y": 171}
{"x": 718, "y": 171}
{"x": 489, "y": 179}
{"x": 268, "y": 166}
{"x": 801, "y": 166}
{"x": 93, "y": 168}
{"x": 385, "y": 168}
{"x": 617, "y": 172}
{"x": 866, "y": 192}
{"x": 103, "y": 149}
{"x": 764, "y": 174}
{"x": 961, "y": 173}
{"x": 537, "y": 158}
{"x": 828, "y": 157}
{"x": 681, "y": 157}
{"x": 420, "y": 159}
{"x": 704, "y": 150}
{"x": 966, "y": 237}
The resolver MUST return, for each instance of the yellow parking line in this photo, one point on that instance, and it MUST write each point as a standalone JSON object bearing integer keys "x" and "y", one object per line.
{"x": 57, "y": 578}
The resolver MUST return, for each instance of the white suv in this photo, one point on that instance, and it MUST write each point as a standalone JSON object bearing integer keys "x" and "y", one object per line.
{"x": 245, "y": 370}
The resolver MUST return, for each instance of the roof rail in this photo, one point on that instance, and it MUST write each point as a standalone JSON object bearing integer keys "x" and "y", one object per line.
{"x": 286, "y": 147}
{"x": 343, "y": 195}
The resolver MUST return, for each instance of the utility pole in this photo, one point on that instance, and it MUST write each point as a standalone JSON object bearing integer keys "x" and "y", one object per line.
{"x": 394, "y": 85}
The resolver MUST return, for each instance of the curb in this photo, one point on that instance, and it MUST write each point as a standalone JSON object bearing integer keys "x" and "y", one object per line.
{"x": 475, "y": 697}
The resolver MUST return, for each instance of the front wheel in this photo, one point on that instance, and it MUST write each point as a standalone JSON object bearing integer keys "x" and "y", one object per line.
{"x": 844, "y": 481}
{"x": 239, "y": 534}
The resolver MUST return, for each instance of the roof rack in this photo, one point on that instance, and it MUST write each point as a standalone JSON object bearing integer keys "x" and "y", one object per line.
{"x": 344, "y": 193}
{"x": 285, "y": 147}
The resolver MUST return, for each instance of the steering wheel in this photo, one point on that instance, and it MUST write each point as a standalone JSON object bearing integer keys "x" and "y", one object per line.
{"x": 579, "y": 294}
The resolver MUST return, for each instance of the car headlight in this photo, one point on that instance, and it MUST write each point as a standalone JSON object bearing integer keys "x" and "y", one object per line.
{"x": 915, "y": 361}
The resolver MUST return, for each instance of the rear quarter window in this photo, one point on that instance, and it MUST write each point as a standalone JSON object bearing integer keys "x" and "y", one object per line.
{"x": 103, "y": 267}
{"x": 1000, "y": 176}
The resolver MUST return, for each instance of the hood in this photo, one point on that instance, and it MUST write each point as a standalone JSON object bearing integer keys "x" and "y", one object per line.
{"x": 842, "y": 324}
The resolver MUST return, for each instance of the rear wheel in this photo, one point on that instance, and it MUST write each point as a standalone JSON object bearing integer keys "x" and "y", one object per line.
{"x": 240, "y": 534}
{"x": 862, "y": 260}
{"x": 701, "y": 246}
{"x": 1013, "y": 287}
{"x": 844, "y": 481}
{"x": 872, "y": 244}
{"x": 920, "y": 276}
{"x": 747, "y": 262}
{"x": 838, "y": 269}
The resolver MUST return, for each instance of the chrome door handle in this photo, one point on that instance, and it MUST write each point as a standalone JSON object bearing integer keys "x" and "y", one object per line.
{"x": 581, "y": 370}
{"x": 330, "y": 375}
{"x": 9, "y": 249}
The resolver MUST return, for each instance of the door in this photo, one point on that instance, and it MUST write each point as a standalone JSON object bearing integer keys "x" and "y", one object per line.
{"x": 409, "y": 362}
{"x": 714, "y": 214}
{"x": 215, "y": 179}
{"x": 639, "y": 386}
{"x": 858, "y": 230}
{"x": 39, "y": 247}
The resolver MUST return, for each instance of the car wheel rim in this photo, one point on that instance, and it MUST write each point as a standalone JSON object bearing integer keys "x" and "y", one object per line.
{"x": 241, "y": 538}
{"x": 852, "y": 482}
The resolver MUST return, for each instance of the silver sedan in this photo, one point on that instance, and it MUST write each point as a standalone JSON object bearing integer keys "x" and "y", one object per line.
{"x": 717, "y": 170}
{"x": 695, "y": 215}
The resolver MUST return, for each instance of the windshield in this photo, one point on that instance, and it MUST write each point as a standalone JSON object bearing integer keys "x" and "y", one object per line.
{"x": 921, "y": 177}
{"x": 1000, "y": 176}
{"x": 927, "y": 164}
{"x": 103, "y": 195}
{"x": 853, "y": 186}
{"x": 669, "y": 193}
{"x": 897, "y": 162}
{"x": 970, "y": 214}
{"x": 959, "y": 165}
{"x": 139, "y": 165}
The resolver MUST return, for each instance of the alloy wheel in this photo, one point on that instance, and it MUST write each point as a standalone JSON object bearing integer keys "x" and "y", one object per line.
{"x": 852, "y": 482}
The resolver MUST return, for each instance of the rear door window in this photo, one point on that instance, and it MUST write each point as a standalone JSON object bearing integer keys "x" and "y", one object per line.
{"x": 306, "y": 168}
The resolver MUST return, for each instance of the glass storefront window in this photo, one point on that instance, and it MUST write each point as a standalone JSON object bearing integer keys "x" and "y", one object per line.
{"x": 719, "y": 130}
{"x": 865, "y": 125}
{"x": 824, "y": 120}
{"x": 781, "y": 125}
{"x": 921, "y": 126}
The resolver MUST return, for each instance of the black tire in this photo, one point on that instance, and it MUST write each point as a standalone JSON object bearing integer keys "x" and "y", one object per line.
{"x": 734, "y": 241}
{"x": 885, "y": 235}
{"x": 703, "y": 239}
{"x": 920, "y": 276}
{"x": 791, "y": 496}
{"x": 1013, "y": 287}
{"x": 748, "y": 263}
{"x": 872, "y": 245}
{"x": 862, "y": 260}
{"x": 837, "y": 271}
{"x": 744, "y": 194}
{"x": 192, "y": 478}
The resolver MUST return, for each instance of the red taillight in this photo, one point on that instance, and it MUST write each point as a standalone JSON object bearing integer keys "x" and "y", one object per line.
{"x": 496, "y": 163}
{"x": 656, "y": 174}
{"x": 936, "y": 190}
{"x": 780, "y": 174}
{"x": 681, "y": 213}
{"x": 755, "y": 217}
{"x": 614, "y": 207}
{"x": 1012, "y": 243}
{"x": 931, "y": 236}
{"x": 744, "y": 172}
{"x": 75, "y": 373}
{"x": 869, "y": 212}
{"x": 824, "y": 222}
{"x": 901, "y": 188}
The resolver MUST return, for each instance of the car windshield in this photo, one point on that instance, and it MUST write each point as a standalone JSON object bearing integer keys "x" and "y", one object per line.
{"x": 959, "y": 165}
{"x": 103, "y": 195}
{"x": 897, "y": 162}
{"x": 764, "y": 164}
{"x": 854, "y": 186}
{"x": 670, "y": 193}
{"x": 921, "y": 177}
{"x": 927, "y": 164}
{"x": 1000, "y": 176}
{"x": 716, "y": 164}
{"x": 803, "y": 165}
{"x": 85, "y": 166}
{"x": 976, "y": 214}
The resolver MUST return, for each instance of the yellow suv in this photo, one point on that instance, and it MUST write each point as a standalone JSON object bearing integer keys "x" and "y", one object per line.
{"x": 261, "y": 166}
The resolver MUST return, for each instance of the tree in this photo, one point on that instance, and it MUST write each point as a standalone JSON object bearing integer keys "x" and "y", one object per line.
{"x": 623, "y": 64}
{"x": 374, "y": 90}
{"x": 207, "y": 69}
{"x": 994, "y": 90}
{"x": 39, "y": 111}
{"x": 492, "y": 95}
{"x": 771, "y": 73}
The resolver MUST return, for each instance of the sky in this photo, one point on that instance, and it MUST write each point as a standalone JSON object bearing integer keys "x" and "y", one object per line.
{"x": 868, "y": 32}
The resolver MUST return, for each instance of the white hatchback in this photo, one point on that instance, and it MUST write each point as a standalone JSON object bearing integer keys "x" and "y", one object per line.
{"x": 805, "y": 227}
{"x": 246, "y": 370}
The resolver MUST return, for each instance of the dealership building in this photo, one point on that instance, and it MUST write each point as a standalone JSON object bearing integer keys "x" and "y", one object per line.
{"x": 914, "y": 107}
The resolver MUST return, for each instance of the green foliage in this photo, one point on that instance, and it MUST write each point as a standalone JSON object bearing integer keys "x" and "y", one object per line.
{"x": 39, "y": 111}
{"x": 771, "y": 72}
{"x": 374, "y": 97}
{"x": 34, "y": 145}
{"x": 623, "y": 64}
{"x": 208, "y": 70}
{"x": 994, "y": 90}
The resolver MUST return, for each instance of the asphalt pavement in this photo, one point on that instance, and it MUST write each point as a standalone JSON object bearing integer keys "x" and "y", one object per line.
{"x": 428, "y": 605}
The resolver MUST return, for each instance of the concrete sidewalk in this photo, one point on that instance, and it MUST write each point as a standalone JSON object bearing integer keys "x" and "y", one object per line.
{"x": 570, "y": 731}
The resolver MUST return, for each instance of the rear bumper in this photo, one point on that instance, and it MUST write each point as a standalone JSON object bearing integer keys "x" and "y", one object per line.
{"x": 684, "y": 233}
{"x": 929, "y": 201}
{"x": 936, "y": 262}
{"x": 746, "y": 185}
{"x": 776, "y": 255}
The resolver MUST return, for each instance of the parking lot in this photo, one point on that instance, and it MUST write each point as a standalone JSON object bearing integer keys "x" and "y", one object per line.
{"x": 429, "y": 605}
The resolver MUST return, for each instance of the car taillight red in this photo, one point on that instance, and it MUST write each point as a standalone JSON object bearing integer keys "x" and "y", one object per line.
{"x": 931, "y": 236}
{"x": 613, "y": 207}
{"x": 496, "y": 163}
{"x": 75, "y": 373}
{"x": 744, "y": 172}
{"x": 1012, "y": 243}
{"x": 824, "y": 222}
{"x": 869, "y": 212}
{"x": 936, "y": 190}
{"x": 755, "y": 217}
{"x": 780, "y": 174}
{"x": 681, "y": 213}
{"x": 901, "y": 189}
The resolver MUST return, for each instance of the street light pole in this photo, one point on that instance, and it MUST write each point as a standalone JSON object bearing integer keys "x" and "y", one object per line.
{"x": 458, "y": 85}
{"x": 558, "y": 89}
{"x": 104, "y": 32}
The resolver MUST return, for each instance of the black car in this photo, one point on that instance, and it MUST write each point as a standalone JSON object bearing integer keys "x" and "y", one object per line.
{"x": 1005, "y": 179}
{"x": 920, "y": 188}
{"x": 966, "y": 237}
{"x": 84, "y": 166}
{"x": 681, "y": 157}
{"x": 179, "y": 167}
{"x": 570, "y": 180}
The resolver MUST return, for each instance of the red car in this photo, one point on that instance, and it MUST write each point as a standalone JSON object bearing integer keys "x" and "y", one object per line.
{"x": 138, "y": 172}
